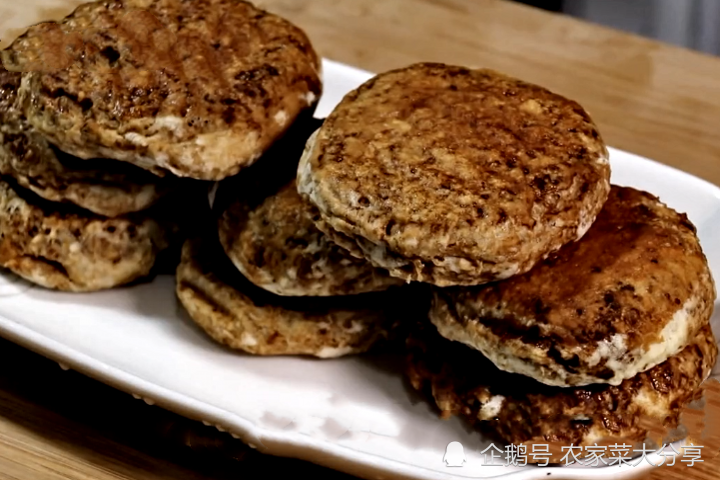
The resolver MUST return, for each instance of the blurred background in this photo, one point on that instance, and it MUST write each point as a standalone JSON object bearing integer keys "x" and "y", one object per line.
{"x": 692, "y": 24}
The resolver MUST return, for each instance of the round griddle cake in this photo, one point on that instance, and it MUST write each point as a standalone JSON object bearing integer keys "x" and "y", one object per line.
{"x": 105, "y": 187}
{"x": 633, "y": 292}
{"x": 453, "y": 176}
{"x": 240, "y": 315}
{"x": 200, "y": 88}
{"x": 73, "y": 250}
{"x": 275, "y": 244}
{"x": 521, "y": 410}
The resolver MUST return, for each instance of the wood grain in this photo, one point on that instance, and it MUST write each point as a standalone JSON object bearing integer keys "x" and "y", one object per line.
{"x": 652, "y": 99}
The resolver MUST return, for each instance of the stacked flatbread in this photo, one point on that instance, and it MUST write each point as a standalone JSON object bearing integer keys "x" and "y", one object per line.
{"x": 102, "y": 112}
{"x": 561, "y": 308}
{"x": 565, "y": 310}
{"x": 68, "y": 224}
{"x": 264, "y": 280}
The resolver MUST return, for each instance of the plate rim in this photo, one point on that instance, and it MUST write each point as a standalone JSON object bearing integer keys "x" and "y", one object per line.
{"x": 292, "y": 444}
{"x": 323, "y": 453}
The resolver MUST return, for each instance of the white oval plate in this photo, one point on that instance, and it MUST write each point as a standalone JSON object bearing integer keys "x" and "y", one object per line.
{"x": 355, "y": 414}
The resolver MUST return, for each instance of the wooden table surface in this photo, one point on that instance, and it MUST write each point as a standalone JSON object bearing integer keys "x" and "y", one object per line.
{"x": 648, "y": 98}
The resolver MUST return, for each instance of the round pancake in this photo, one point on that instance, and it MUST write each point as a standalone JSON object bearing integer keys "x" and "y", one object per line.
{"x": 73, "y": 250}
{"x": 275, "y": 244}
{"x": 521, "y": 411}
{"x": 633, "y": 292}
{"x": 236, "y": 313}
{"x": 453, "y": 176}
{"x": 113, "y": 190}
{"x": 200, "y": 89}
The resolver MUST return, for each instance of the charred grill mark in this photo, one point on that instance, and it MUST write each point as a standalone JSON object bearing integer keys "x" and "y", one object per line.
{"x": 205, "y": 297}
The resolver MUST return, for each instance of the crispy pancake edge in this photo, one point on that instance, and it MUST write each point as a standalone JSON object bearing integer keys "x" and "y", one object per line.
{"x": 633, "y": 292}
{"x": 276, "y": 245}
{"x": 520, "y": 410}
{"x": 235, "y": 313}
{"x": 72, "y": 250}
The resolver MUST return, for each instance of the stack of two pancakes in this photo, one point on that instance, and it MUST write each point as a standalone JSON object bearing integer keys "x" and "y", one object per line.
{"x": 67, "y": 223}
{"x": 103, "y": 112}
{"x": 604, "y": 343}
{"x": 564, "y": 310}
{"x": 264, "y": 280}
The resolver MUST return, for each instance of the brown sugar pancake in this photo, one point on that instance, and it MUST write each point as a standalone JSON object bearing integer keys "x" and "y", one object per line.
{"x": 452, "y": 176}
{"x": 521, "y": 410}
{"x": 106, "y": 187}
{"x": 242, "y": 316}
{"x": 198, "y": 88}
{"x": 65, "y": 248}
{"x": 632, "y": 293}
{"x": 276, "y": 245}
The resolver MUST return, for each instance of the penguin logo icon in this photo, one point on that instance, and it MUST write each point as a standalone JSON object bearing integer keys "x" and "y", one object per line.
{"x": 454, "y": 455}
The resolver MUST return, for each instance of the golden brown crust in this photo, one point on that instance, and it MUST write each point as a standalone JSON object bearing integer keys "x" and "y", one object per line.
{"x": 240, "y": 315}
{"x": 521, "y": 410}
{"x": 113, "y": 190}
{"x": 73, "y": 250}
{"x": 199, "y": 88}
{"x": 276, "y": 245}
{"x": 454, "y": 176}
{"x": 634, "y": 291}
